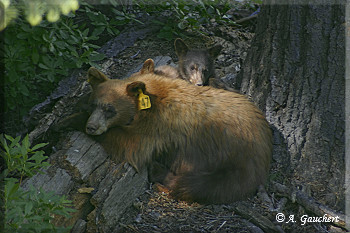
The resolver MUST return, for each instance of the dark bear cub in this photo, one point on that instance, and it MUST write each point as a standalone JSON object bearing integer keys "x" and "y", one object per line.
{"x": 196, "y": 65}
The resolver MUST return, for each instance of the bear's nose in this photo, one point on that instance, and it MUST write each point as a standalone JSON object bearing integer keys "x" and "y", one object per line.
{"x": 91, "y": 128}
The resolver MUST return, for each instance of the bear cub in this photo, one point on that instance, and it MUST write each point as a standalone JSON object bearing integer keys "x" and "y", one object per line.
{"x": 196, "y": 65}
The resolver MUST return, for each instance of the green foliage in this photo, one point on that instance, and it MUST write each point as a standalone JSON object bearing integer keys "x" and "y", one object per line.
{"x": 102, "y": 23}
{"x": 20, "y": 158}
{"x": 188, "y": 14}
{"x": 191, "y": 14}
{"x": 36, "y": 58}
{"x": 35, "y": 9}
{"x": 32, "y": 210}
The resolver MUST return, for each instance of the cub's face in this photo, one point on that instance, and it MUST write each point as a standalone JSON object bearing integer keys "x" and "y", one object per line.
{"x": 111, "y": 105}
{"x": 196, "y": 66}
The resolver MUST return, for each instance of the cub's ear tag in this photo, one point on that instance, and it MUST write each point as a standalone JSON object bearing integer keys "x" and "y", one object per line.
{"x": 144, "y": 101}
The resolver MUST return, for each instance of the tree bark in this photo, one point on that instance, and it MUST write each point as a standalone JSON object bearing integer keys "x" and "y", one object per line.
{"x": 295, "y": 73}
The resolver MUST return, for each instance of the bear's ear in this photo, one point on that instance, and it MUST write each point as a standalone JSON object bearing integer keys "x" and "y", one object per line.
{"x": 133, "y": 88}
{"x": 181, "y": 48}
{"x": 148, "y": 67}
{"x": 95, "y": 77}
{"x": 215, "y": 51}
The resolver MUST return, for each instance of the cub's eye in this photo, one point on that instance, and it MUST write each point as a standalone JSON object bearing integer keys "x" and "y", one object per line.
{"x": 109, "y": 111}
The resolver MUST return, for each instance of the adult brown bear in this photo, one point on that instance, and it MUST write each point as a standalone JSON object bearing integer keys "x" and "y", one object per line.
{"x": 217, "y": 143}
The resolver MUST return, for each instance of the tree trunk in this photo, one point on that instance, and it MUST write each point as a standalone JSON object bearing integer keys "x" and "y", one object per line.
{"x": 295, "y": 73}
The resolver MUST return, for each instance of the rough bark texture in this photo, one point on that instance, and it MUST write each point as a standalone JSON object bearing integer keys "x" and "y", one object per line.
{"x": 82, "y": 163}
{"x": 295, "y": 73}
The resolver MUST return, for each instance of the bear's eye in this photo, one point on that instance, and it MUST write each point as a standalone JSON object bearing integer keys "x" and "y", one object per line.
{"x": 109, "y": 111}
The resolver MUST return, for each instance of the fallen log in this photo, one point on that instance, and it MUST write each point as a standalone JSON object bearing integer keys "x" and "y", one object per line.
{"x": 309, "y": 203}
{"x": 82, "y": 164}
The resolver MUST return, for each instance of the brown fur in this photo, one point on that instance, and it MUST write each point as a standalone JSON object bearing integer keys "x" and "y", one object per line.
{"x": 165, "y": 70}
{"x": 169, "y": 71}
{"x": 217, "y": 144}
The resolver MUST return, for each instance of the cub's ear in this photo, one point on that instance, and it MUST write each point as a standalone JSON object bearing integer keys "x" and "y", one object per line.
{"x": 95, "y": 77}
{"x": 181, "y": 48}
{"x": 215, "y": 51}
{"x": 133, "y": 88}
{"x": 148, "y": 67}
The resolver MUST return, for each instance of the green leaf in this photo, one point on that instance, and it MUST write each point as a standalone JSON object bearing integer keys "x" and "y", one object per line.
{"x": 8, "y": 137}
{"x": 24, "y": 153}
{"x": 115, "y": 31}
{"x": 79, "y": 63}
{"x": 23, "y": 89}
{"x": 42, "y": 66}
{"x": 28, "y": 171}
{"x": 14, "y": 142}
{"x": 61, "y": 44}
{"x": 25, "y": 142}
{"x": 28, "y": 208}
{"x": 35, "y": 56}
{"x": 38, "y": 157}
{"x": 40, "y": 145}
{"x": 158, "y": 22}
{"x": 14, "y": 92}
{"x": 22, "y": 35}
{"x": 168, "y": 35}
{"x": 52, "y": 48}
{"x": 93, "y": 46}
{"x": 63, "y": 34}
{"x": 74, "y": 53}
{"x": 13, "y": 76}
{"x": 97, "y": 31}
{"x": 4, "y": 145}
{"x": 11, "y": 187}
{"x": 96, "y": 56}
{"x": 85, "y": 32}
{"x": 26, "y": 28}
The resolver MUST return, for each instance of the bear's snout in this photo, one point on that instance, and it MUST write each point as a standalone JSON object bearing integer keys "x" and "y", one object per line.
{"x": 96, "y": 123}
{"x": 91, "y": 128}
{"x": 95, "y": 129}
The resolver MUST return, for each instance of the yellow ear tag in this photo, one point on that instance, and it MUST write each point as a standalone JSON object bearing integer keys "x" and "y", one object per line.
{"x": 144, "y": 101}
